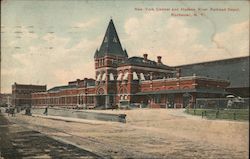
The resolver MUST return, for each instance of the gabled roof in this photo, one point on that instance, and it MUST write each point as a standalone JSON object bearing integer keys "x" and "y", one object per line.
{"x": 111, "y": 44}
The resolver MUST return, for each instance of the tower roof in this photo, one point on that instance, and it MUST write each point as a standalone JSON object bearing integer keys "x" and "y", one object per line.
{"x": 111, "y": 44}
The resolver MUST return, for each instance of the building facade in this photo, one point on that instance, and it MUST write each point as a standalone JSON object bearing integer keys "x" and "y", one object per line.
{"x": 21, "y": 94}
{"x": 121, "y": 80}
{"x": 236, "y": 70}
{"x": 5, "y": 99}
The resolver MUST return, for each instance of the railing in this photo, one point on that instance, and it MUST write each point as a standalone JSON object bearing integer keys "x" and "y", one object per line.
{"x": 222, "y": 103}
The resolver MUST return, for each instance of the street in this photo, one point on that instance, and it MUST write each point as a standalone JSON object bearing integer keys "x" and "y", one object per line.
{"x": 149, "y": 133}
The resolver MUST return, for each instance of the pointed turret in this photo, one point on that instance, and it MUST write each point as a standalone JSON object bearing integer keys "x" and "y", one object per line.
{"x": 96, "y": 53}
{"x": 111, "y": 44}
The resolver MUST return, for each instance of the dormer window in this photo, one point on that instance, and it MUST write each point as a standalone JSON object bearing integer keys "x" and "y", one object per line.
{"x": 106, "y": 39}
{"x": 115, "y": 40}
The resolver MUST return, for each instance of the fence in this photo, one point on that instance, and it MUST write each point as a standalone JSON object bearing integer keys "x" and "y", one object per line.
{"x": 222, "y": 103}
{"x": 232, "y": 114}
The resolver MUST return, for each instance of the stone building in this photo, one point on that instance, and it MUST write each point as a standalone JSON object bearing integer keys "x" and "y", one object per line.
{"x": 21, "y": 94}
{"x": 122, "y": 80}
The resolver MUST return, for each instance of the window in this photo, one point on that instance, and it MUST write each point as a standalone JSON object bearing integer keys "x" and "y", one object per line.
{"x": 98, "y": 77}
{"x": 111, "y": 77}
{"x": 125, "y": 77}
{"x": 119, "y": 76}
{"x": 104, "y": 77}
{"x": 135, "y": 77}
{"x": 142, "y": 77}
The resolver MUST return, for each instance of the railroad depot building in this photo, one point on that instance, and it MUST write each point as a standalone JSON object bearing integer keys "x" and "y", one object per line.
{"x": 121, "y": 80}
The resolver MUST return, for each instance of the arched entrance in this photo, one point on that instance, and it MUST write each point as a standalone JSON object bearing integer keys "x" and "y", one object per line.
{"x": 100, "y": 98}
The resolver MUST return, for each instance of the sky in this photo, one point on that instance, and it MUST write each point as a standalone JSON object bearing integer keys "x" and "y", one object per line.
{"x": 52, "y": 42}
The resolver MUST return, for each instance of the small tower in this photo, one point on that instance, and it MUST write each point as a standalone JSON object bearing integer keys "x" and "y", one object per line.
{"x": 111, "y": 51}
{"x": 107, "y": 58}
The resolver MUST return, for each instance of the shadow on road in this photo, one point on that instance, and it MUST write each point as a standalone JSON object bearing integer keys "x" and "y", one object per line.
{"x": 19, "y": 142}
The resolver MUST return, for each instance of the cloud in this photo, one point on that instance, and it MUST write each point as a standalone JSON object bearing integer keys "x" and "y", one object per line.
{"x": 170, "y": 38}
{"x": 86, "y": 24}
{"x": 235, "y": 39}
{"x": 52, "y": 66}
{"x": 179, "y": 42}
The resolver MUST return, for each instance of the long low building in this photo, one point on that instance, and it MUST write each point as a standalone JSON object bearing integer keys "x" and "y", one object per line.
{"x": 177, "y": 92}
{"x": 121, "y": 80}
{"x": 235, "y": 70}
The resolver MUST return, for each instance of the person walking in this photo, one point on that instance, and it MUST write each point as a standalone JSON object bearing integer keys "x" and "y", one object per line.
{"x": 12, "y": 112}
{"x": 46, "y": 111}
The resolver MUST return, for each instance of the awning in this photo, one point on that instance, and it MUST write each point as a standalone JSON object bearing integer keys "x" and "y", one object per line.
{"x": 230, "y": 96}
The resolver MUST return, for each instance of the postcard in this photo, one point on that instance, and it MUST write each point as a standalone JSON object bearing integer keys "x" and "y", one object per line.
{"x": 124, "y": 79}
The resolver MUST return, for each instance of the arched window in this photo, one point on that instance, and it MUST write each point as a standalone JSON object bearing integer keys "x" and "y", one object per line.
{"x": 185, "y": 87}
{"x": 119, "y": 78}
{"x": 135, "y": 76}
{"x": 104, "y": 77}
{"x": 123, "y": 90}
{"x": 125, "y": 77}
{"x": 142, "y": 77}
{"x": 98, "y": 77}
{"x": 111, "y": 77}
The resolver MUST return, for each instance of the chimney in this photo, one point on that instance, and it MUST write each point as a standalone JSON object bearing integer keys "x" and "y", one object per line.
{"x": 159, "y": 59}
{"x": 145, "y": 56}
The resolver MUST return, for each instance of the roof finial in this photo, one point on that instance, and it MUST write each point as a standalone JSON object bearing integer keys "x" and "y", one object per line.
{"x": 110, "y": 17}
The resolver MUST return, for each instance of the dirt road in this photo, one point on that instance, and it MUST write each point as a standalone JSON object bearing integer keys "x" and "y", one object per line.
{"x": 149, "y": 133}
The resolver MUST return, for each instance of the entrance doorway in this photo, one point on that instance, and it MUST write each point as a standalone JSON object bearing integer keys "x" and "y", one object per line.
{"x": 100, "y": 100}
{"x": 170, "y": 100}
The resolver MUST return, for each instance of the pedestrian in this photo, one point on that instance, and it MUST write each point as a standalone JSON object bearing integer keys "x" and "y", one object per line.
{"x": 12, "y": 111}
{"x": 8, "y": 111}
{"x": 27, "y": 111}
{"x": 46, "y": 111}
{"x": 229, "y": 104}
{"x": 167, "y": 104}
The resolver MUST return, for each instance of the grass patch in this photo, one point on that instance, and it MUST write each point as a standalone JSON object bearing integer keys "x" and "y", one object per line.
{"x": 229, "y": 114}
